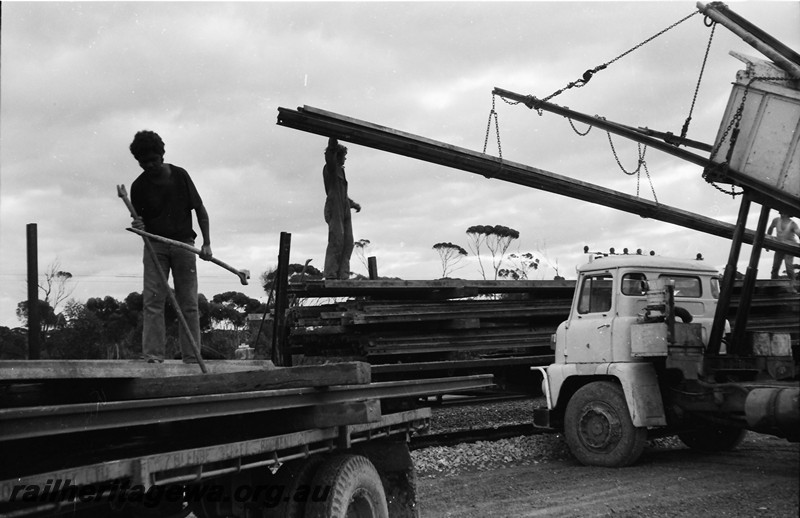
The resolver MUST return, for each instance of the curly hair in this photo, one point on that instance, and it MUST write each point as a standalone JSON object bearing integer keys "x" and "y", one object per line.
{"x": 146, "y": 142}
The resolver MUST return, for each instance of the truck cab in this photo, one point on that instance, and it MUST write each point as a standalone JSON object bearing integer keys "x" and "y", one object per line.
{"x": 612, "y": 295}
{"x": 634, "y": 342}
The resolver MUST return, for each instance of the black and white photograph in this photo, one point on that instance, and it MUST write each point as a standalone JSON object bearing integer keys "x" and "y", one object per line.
{"x": 400, "y": 259}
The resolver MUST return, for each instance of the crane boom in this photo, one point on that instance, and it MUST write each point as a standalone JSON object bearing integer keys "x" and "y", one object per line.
{"x": 321, "y": 122}
{"x": 765, "y": 194}
{"x": 783, "y": 56}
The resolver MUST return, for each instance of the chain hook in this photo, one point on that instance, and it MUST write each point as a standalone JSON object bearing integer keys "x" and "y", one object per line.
{"x": 493, "y": 114}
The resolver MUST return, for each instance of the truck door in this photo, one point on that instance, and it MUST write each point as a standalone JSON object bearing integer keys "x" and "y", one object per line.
{"x": 588, "y": 336}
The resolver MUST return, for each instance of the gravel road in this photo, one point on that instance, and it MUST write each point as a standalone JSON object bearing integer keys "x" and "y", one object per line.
{"x": 537, "y": 476}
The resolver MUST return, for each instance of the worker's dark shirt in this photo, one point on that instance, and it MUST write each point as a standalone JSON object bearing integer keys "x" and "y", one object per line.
{"x": 167, "y": 209}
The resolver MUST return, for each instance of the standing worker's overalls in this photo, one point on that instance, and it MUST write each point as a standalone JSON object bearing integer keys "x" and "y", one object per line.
{"x": 337, "y": 216}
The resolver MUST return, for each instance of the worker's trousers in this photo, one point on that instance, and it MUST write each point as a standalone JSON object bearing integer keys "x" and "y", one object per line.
{"x": 787, "y": 260}
{"x": 183, "y": 265}
{"x": 340, "y": 241}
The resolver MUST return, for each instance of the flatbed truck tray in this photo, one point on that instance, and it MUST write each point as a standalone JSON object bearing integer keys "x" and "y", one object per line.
{"x": 194, "y": 465}
{"x": 62, "y": 432}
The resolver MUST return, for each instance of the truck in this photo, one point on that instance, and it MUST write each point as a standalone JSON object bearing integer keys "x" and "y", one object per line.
{"x": 624, "y": 368}
{"x": 631, "y": 364}
{"x": 124, "y": 438}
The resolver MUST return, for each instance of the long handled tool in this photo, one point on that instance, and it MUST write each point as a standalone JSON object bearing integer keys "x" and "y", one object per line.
{"x": 122, "y": 193}
{"x": 242, "y": 274}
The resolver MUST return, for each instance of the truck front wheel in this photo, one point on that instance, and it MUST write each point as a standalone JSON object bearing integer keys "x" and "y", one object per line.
{"x": 598, "y": 427}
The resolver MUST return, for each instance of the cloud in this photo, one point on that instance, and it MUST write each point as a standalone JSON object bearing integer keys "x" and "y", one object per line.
{"x": 79, "y": 79}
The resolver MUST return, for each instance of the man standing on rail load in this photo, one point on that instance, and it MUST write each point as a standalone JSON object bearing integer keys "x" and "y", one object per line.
{"x": 164, "y": 197}
{"x": 786, "y": 230}
{"x": 337, "y": 213}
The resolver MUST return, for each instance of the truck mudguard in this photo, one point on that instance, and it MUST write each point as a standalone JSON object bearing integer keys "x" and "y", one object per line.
{"x": 639, "y": 383}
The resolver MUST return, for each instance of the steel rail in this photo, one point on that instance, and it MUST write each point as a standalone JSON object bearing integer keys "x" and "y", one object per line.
{"x": 367, "y": 134}
{"x": 764, "y": 194}
{"x": 49, "y": 420}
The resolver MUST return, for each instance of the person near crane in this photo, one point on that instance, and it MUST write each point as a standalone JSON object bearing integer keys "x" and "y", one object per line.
{"x": 786, "y": 230}
{"x": 337, "y": 213}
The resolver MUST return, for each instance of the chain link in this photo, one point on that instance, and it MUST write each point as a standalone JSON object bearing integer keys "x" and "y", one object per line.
{"x": 685, "y": 128}
{"x": 582, "y": 81}
{"x": 493, "y": 113}
{"x": 641, "y": 164}
{"x": 576, "y": 130}
{"x": 616, "y": 157}
{"x": 652, "y": 187}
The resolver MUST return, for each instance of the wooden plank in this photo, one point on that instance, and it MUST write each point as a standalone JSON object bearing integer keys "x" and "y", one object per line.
{"x": 350, "y": 373}
{"x": 352, "y": 412}
{"x": 19, "y": 370}
{"x": 81, "y": 390}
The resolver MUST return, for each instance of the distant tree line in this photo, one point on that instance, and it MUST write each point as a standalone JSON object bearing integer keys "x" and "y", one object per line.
{"x": 107, "y": 328}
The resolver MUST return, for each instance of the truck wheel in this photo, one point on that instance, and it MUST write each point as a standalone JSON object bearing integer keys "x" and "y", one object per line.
{"x": 598, "y": 427}
{"x": 353, "y": 487}
{"x": 713, "y": 438}
{"x": 292, "y": 477}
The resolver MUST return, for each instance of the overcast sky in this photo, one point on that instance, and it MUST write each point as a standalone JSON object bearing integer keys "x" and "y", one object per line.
{"x": 79, "y": 79}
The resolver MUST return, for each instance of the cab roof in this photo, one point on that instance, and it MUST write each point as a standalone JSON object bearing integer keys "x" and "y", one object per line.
{"x": 646, "y": 261}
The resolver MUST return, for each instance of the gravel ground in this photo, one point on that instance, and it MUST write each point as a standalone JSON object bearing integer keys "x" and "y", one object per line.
{"x": 537, "y": 476}
{"x": 440, "y": 461}
{"x": 464, "y": 417}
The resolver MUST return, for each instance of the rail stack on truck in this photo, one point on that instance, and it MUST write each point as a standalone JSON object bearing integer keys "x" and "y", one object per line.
{"x": 246, "y": 439}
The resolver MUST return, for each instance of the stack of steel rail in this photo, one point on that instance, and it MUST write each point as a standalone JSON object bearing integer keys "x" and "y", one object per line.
{"x": 472, "y": 323}
{"x": 92, "y": 422}
{"x": 402, "y": 326}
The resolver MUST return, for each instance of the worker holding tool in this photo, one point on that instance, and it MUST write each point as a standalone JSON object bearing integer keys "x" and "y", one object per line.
{"x": 785, "y": 230}
{"x": 337, "y": 213}
{"x": 163, "y": 197}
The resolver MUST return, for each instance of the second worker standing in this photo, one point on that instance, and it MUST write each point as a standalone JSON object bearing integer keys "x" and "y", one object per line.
{"x": 337, "y": 213}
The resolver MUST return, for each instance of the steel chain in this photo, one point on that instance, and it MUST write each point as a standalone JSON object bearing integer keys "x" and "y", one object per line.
{"x": 734, "y": 125}
{"x": 576, "y": 130}
{"x": 641, "y": 164}
{"x": 616, "y": 157}
{"x": 685, "y": 128}
{"x": 590, "y": 73}
{"x": 652, "y": 187}
{"x": 493, "y": 113}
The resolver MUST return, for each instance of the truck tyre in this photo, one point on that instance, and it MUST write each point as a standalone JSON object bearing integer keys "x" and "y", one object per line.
{"x": 291, "y": 477}
{"x": 355, "y": 491}
{"x": 713, "y": 438}
{"x": 598, "y": 427}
